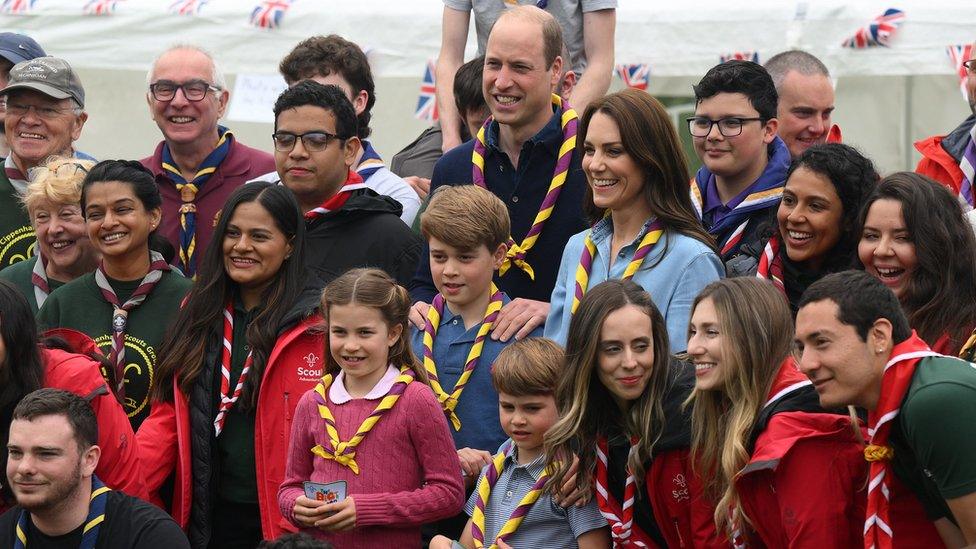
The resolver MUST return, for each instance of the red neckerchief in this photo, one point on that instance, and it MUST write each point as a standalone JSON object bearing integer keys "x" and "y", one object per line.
{"x": 771, "y": 264}
{"x": 895, "y": 381}
{"x": 353, "y": 182}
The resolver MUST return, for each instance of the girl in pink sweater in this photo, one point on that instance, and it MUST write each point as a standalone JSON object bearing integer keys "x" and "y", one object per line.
{"x": 373, "y": 422}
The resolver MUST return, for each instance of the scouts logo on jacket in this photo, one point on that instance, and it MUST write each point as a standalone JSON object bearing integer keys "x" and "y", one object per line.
{"x": 17, "y": 246}
{"x": 680, "y": 491}
{"x": 312, "y": 371}
{"x": 139, "y": 372}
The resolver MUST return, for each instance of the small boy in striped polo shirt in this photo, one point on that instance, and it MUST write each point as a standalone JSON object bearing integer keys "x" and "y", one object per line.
{"x": 510, "y": 506}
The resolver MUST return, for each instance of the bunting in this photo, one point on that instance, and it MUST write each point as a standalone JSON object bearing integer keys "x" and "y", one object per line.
{"x": 269, "y": 13}
{"x": 427, "y": 102}
{"x": 959, "y": 54}
{"x": 635, "y": 75}
{"x": 878, "y": 32}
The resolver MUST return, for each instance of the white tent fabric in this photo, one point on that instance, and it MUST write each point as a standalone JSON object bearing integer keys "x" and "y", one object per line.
{"x": 887, "y": 97}
{"x": 675, "y": 38}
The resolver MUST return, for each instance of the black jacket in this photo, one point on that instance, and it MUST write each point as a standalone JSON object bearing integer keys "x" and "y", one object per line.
{"x": 366, "y": 232}
{"x": 203, "y": 403}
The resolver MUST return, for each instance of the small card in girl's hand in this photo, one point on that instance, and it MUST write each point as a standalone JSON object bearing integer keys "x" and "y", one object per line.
{"x": 332, "y": 492}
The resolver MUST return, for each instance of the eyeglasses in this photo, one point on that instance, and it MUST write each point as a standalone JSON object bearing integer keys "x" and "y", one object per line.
{"x": 970, "y": 65}
{"x": 699, "y": 126}
{"x": 194, "y": 90}
{"x": 312, "y": 141}
{"x": 48, "y": 113}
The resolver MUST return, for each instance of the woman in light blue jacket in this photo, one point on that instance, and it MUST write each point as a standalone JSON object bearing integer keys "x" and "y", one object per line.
{"x": 644, "y": 225}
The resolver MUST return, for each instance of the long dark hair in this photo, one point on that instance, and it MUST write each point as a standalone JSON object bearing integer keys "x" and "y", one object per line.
{"x": 941, "y": 295}
{"x": 586, "y": 406}
{"x": 22, "y": 371}
{"x": 853, "y": 177}
{"x": 200, "y": 320}
{"x": 144, "y": 188}
{"x": 649, "y": 137}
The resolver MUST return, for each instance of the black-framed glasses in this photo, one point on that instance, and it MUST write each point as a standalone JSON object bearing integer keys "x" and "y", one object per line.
{"x": 699, "y": 126}
{"x": 312, "y": 141}
{"x": 48, "y": 113}
{"x": 970, "y": 65}
{"x": 193, "y": 90}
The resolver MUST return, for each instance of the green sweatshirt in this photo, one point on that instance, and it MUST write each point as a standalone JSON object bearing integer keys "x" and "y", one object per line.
{"x": 17, "y": 239}
{"x": 20, "y": 276}
{"x": 79, "y": 305}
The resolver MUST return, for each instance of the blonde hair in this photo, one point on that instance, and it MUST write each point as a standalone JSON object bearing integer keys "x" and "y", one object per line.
{"x": 57, "y": 180}
{"x": 465, "y": 217}
{"x": 376, "y": 289}
{"x": 757, "y": 335}
{"x": 528, "y": 367}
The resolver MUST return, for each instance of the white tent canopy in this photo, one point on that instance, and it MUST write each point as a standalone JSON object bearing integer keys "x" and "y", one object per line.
{"x": 887, "y": 97}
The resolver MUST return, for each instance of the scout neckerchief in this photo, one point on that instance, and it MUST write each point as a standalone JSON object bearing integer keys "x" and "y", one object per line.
{"x": 188, "y": 191}
{"x": 119, "y": 317}
{"x": 344, "y": 453}
{"x": 370, "y": 162}
{"x": 353, "y": 182}
{"x": 227, "y": 400}
{"x": 895, "y": 381}
{"x": 654, "y": 230}
{"x": 39, "y": 280}
{"x": 968, "y": 351}
{"x": 541, "y": 4}
{"x": 517, "y": 252}
{"x": 771, "y": 264}
{"x": 13, "y": 173}
{"x": 96, "y": 515}
{"x": 766, "y": 191}
{"x": 487, "y": 482}
{"x": 622, "y": 525}
{"x": 968, "y": 166}
{"x": 450, "y": 401}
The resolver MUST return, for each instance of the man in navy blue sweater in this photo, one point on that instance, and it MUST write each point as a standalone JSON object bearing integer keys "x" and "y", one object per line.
{"x": 521, "y": 148}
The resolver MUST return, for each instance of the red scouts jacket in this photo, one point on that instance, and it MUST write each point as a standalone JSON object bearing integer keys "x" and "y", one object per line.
{"x": 294, "y": 366}
{"x": 804, "y": 486}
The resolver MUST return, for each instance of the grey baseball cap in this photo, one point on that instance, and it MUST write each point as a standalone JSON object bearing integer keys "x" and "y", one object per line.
{"x": 19, "y": 47}
{"x": 51, "y": 76}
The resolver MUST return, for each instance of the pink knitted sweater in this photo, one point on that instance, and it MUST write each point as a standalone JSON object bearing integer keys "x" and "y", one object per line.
{"x": 409, "y": 470}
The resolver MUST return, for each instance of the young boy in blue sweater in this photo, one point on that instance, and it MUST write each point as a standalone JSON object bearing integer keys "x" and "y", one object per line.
{"x": 512, "y": 505}
{"x": 467, "y": 230}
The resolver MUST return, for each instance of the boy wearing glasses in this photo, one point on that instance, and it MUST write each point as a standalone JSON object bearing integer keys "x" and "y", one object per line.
{"x": 198, "y": 163}
{"x": 744, "y": 166}
{"x": 347, "y": 224}
{"x": 950, "y": 159}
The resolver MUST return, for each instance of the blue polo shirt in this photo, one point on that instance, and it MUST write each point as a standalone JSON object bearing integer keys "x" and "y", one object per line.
{"x": 522, "y": 189}
{"x": 478, "y": 406}
{"x": 546, "y": 524}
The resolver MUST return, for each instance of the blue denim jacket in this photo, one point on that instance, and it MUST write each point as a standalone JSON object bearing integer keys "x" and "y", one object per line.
{"x": 675, "y": 279}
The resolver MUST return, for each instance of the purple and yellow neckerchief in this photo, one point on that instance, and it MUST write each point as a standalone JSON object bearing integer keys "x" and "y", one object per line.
{"x": 487, "y": 482}
{"x": 344, "y": 453}
{"x": 188, "y": 191}
{"x": 570, "y": 125}
{"x": 654, "y": 231}
{"x": 450, "y": 401}
{"x": 968, "y": 167}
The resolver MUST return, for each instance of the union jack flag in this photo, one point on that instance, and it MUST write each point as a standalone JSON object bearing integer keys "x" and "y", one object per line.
{"x": 959, "y": 54}
{"x": 100, "y": 7}
{"x": 878, "y": 32}
{"x": 427, "y": 103}
{"x": 269, "y": 13}
{"x": 16, "y": 7}
{"x": 748, "y": 55}
{"x": 636, "y": 75}
{"x": 186, "y": 7}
